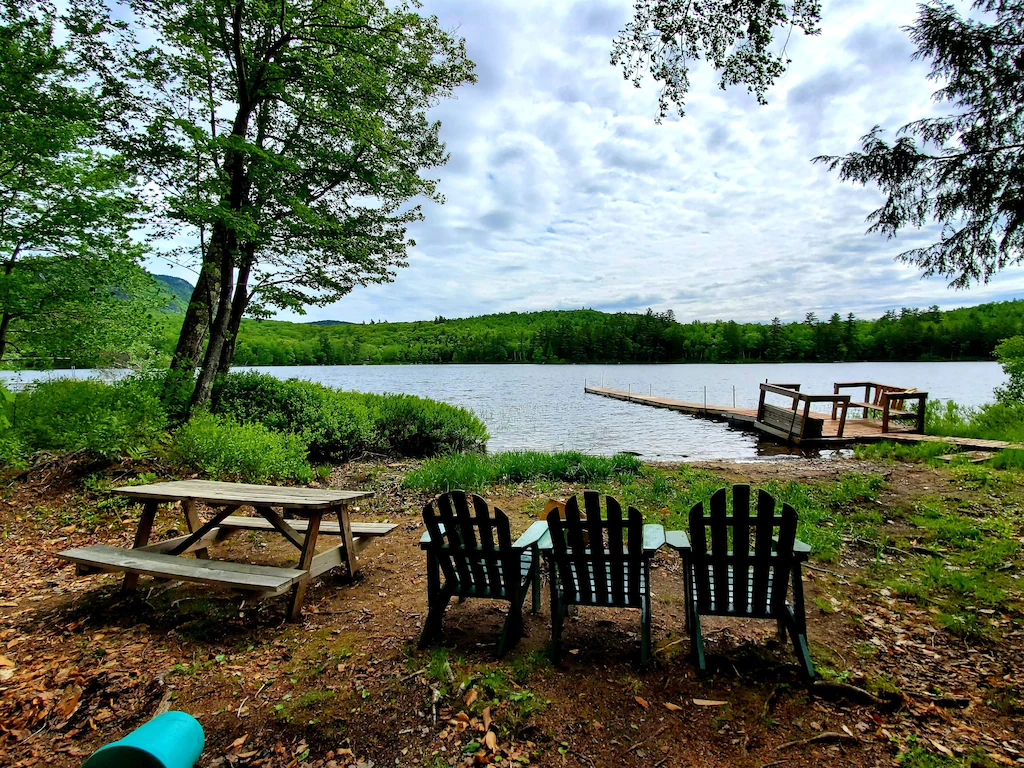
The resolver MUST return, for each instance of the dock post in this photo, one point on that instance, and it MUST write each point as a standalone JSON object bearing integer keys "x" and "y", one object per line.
{"x": 602, "y": 380}
{"x": 733, "y": 395}
{"x": 629, "y": 391}
{"x": 705, "y": 397}
{"x": 650, "y": 390}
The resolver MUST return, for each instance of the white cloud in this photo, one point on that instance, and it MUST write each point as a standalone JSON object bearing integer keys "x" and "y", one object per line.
{"x": 563, "y": 192}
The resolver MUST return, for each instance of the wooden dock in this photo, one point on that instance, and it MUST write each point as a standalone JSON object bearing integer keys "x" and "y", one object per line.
{"x": 854, "y": 431}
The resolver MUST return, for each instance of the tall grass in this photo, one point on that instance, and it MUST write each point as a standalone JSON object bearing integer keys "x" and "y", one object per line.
{"x": 994, "y": 421}
{"x": 223, "y": 449}
{"x": 475, "y": 472}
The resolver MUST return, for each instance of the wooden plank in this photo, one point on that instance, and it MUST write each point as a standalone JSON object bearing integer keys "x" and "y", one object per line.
{"x": 192, "y": 519}
{"x": 305, "y": 561}
{"x": 242, "y": 576}
{"x": 219, "y": 493}
{"x": 208, "y": 539}
{"x": 740, "y": 545}
{"x": 763, "y": 545}
{"x": 327, "y": 528}
{"x": 595, "y": 541}
{"x": 720, "y": 549}
{"x": 326, "y": 560}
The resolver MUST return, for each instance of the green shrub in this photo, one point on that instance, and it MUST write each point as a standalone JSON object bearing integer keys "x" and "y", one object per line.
{"x": 406, "y": 425}
{"x": 335, "y": 425}
{"x": 474, "y": 472}
{"x": 222, "y": 448}
{"x": 338, "y": 425}
{"x": 125, "y": 417}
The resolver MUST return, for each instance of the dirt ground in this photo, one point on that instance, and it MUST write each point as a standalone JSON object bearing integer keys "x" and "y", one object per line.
{"x": 81, "y": 664}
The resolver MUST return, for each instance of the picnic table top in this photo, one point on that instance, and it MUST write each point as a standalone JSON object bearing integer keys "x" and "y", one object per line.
{"x": 218, "y": 493}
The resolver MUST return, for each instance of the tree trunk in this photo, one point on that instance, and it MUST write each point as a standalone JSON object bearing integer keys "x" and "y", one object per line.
{"x": 239, "y": 303}
{"x": 5, "y": 323}
{"x": 218, "y": 331}
{"x": 198, "y": 318}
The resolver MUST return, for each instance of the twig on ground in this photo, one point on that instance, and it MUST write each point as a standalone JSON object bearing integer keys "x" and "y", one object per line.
{"x": 850, "y": 692}
{"x": 821, "y": 738}
{"x": 411, "y": 676}
{"x": 640, "y": 743}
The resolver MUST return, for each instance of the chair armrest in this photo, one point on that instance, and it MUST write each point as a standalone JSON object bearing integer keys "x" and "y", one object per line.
{"x": 533, "y": 536}
{"x": 801, "y": 550}
{"x": 654, "y": 537}
{"x": 679, "y": 541}
{"x": 425, "y": 538}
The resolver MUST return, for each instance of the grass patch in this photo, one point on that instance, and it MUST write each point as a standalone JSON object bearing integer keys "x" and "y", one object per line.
{"x": 475, "y": 472}
{"x": 890, "y": 451}
{"x": 224, "y": 449}
{"x": 994, "y": 421}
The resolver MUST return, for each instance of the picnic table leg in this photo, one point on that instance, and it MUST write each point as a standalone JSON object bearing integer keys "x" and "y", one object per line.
{"x": 142, "y": 533}
{"x": 192, "y": 518}
{"x": 346, "y": 538}
{"x": 305, "y": 560}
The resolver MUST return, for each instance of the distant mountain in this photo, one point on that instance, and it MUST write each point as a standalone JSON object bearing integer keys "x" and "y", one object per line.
{"x": 178, "y": 292}
{"x": 328, "y": 322}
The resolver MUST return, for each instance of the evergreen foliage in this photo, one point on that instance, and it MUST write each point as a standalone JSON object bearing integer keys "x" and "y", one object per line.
{"x": 588, "y": 336}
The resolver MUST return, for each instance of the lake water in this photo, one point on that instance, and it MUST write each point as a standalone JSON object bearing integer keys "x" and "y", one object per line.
{"x": 543, "y": 406}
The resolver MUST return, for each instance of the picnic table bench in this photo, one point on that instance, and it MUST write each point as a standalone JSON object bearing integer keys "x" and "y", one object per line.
{"x": 300, "y": 521}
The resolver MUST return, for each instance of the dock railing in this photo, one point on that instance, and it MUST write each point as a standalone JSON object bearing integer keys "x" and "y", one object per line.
{"x": 889, "y": 400}
{"x": 794, "y": 421}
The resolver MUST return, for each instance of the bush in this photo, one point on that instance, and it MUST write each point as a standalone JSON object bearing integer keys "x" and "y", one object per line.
{"x": 335, "y": 425}
{"x": 224, "y": 449}
{"x": 125, "y": 417}
{"x": 406, "y": 425}
{"x": 474, "y": 472}
{"x": 338, "y": 425}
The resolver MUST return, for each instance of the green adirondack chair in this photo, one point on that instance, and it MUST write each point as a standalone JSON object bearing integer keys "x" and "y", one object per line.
{"x": 473, "y": 550}
{"x": 600, "y": 561}
{"x": 747, "y": 569}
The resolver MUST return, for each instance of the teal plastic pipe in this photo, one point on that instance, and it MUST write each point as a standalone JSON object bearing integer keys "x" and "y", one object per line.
{"x": 170, "y": 740}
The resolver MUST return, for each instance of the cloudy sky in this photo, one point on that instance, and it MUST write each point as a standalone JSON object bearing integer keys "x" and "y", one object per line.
{"x": 562, "y": 191}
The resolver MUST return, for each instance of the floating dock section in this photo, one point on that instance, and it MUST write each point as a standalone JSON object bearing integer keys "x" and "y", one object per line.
{"x": 799, "y": 425}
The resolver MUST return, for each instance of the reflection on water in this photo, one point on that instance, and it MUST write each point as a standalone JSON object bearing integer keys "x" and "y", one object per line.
{"x": 543, "y": 406}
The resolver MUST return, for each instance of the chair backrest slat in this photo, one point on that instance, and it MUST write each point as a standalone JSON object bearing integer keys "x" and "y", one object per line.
{"x": 616, "y": 550}
{"x": 764, "y": 528}
{"x": 740, "y": 547}
{"x": 783, "y": 562}
{"x": 462, "y": 538}
{"x": 595, "y": 537}
{"x": 720, "y": 547}
{"x": 699, "y": 544}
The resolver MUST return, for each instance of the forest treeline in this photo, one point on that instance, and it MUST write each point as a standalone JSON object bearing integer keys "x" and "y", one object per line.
{"x": 588, "y": 336}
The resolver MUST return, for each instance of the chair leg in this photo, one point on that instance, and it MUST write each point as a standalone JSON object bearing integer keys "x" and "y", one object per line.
{"x": 697, "y": 642}
{"x": 557, "y": 617}
{"x": 536, "y": 580}
{"x": 798, "y": 633}
{"x": 645, "y": 632}
{"x": 435, "y": 614}
{"x": 438, "y": 598}
{"x": 512, "y": 631}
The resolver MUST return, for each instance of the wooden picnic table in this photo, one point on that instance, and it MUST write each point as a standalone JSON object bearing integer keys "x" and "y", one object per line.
{"x": 300, "y": 520}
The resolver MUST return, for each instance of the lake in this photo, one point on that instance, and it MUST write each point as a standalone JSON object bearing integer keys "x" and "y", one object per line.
{"x": 543, "y": 406}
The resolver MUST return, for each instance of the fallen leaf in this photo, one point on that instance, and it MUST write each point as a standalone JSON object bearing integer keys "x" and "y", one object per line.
{"x": 709, "y": 703}
{"x": 5, "y": 662}
{"x": 238, "y": 742}
{"x": 471, "y": 696}
{"x": 491, "y": 741}
{"x": 487, "y": 719}
{"x": 672, "y": 707}
{"x": 642, "y": 702}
